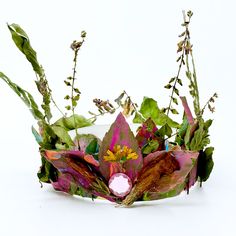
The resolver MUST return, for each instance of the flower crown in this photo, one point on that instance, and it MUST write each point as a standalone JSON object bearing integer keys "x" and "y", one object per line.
{"x": 155, "y": 163}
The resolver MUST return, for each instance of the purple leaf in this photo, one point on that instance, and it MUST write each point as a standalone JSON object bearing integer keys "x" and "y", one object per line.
{"x": 120, "y": 134}
{"x": 73, "y": 163}
{"x": 145, "y": 132}
{"x": 64, "y": 183}
{"x": 187, "y": 110}
{"x": 53, "y": 155}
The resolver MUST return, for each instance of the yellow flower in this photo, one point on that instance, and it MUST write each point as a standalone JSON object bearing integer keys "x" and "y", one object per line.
{"x": 120, "y": 154}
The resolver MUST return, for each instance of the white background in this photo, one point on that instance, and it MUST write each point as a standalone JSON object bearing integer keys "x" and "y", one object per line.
{"x": 130, "y": 45}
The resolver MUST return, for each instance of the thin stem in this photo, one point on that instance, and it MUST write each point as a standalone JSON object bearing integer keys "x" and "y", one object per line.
{"x": 176, "y": 79}
{"x": 171, "y": 136}
{"x": 72, "y": 95}
{"x": 53, "y": 101}
{"x": 186, "y": 38}
{"x": 210, "y": 100}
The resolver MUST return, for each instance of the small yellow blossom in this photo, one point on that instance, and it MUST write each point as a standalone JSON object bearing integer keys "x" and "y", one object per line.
{"x": 120, "y": 154}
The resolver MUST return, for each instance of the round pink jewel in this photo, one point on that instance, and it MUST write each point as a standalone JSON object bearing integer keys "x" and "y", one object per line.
{"x": 120, "y": 184}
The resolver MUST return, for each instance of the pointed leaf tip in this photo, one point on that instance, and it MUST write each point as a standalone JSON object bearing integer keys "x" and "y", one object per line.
{"x": 120, "y": 134}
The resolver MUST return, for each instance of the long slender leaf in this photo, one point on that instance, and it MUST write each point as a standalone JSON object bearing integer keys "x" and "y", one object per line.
{"x": 25, "y": 96}
{"x": 21, "y": 40}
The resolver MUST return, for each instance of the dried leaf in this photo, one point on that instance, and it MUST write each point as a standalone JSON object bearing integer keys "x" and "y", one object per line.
{"x": 174, "y": 183}
{"x": 163, "y": 164}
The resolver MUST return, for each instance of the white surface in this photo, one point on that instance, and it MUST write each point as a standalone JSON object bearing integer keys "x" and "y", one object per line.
{"x": 129, "y": 43}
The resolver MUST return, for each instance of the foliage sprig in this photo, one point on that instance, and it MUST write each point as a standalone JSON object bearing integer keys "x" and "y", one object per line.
{"x": 70, "y": 81}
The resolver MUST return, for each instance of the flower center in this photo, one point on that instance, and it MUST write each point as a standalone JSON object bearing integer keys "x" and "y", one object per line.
{"x": 120, "y": 154}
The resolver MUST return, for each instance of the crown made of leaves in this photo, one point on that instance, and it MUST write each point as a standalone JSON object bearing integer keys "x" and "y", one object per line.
{"x": 161, "y": 160}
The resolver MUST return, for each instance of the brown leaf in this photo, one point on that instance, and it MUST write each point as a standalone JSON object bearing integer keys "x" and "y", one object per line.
{"x": 162, "y": 164}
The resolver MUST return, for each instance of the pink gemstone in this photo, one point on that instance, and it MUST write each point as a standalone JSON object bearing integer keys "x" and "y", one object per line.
{"x": 120, "y": 184}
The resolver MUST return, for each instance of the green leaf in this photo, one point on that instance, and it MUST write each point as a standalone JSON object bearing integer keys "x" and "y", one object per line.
{"x": 138, "y": 118}
{"x": 63, "y": 135}
{"x": 47, "y": 171}
{"x": 175, "y": 100}
{"x": 174, "y": 111}
{"x": 150, "y": 109}
{"x": 165, "y": 130}
{"x": 187, "y": 137}
{"x": 37, "y": 136}
{"x": 188, "y": 74}
{"x": 182, "y": 131}
{"x": 172, "y": 80}
{"x": 168, "y": 86}
{"x": 151, "y": 146}
{"x": 25, "y": 96}
{"x": 179, "y": 82}
{"x": 73, "y": 122}
{"x": 205, "y": 164}
{"x": 21, "y": 40}
{"x": 176, "y": 91}
{"x": 196, "y": 142}
{"x": 201, "y": 138}
{"x": 207, "y": 124}
{"x": 93, "y": 147}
